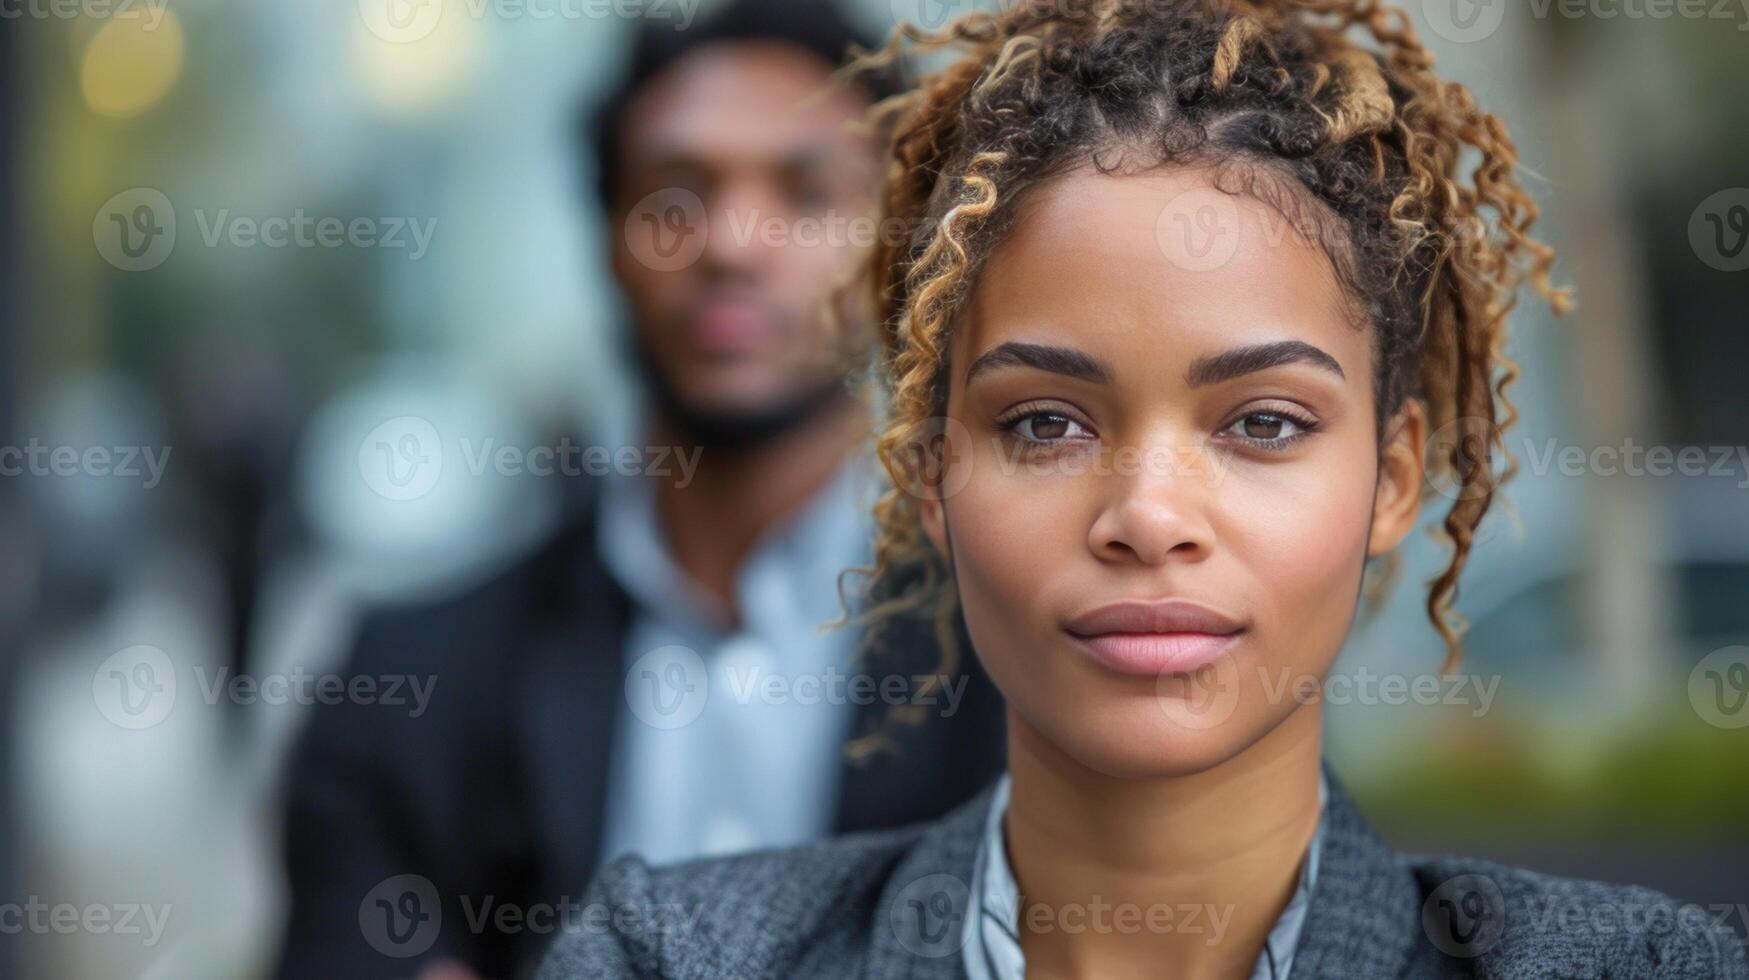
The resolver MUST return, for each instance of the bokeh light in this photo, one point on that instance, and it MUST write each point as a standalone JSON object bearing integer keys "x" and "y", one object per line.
{"x": 131, "y": 63}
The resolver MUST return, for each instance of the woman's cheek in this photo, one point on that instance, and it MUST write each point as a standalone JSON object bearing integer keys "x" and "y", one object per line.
{"x": 1013, "y": 532}
{"x": 1304, "y": 551}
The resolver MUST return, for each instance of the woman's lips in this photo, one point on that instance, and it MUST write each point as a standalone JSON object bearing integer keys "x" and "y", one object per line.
{"x": 1152, "y": 637}
{"x": 1153, "y": 654}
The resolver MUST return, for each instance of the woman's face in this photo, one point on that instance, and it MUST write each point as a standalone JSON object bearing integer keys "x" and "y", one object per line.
{"x": 1168, "y": 479}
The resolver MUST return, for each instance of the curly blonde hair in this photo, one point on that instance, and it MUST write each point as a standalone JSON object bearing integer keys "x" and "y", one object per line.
{"x": 1431, "y": 257}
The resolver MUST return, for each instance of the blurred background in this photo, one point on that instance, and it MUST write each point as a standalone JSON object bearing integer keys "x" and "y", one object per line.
{"x": 189, "y": 410}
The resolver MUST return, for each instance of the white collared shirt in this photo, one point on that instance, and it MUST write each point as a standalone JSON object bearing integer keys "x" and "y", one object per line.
{"x": 992, "y": 942}
{"x": 754, "y": 761}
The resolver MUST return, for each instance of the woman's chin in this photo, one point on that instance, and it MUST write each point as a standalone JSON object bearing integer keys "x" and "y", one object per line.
{"x": 1142, "y": 741}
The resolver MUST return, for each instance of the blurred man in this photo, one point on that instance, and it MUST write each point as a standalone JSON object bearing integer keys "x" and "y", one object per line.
{"x": 654, "y": 680}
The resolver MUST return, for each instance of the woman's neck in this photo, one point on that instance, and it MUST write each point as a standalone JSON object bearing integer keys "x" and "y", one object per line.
{"x": 1180, "y": 876}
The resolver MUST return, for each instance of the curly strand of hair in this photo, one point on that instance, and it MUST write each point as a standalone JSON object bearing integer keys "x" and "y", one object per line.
{"x": 1240, "y": 32}
{"x": 934, "y": 280}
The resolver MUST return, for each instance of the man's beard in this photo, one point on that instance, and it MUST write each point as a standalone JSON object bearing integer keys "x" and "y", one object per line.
{"x": 732, "y": 430}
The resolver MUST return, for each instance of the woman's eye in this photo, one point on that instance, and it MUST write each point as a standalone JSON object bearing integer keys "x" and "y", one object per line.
{"x": 1047, "y": 427}
{"x": 1269, "y": 428}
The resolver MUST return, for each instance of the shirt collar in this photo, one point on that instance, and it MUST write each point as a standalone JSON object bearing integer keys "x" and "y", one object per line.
{"x": 832, "y": 532}
{"x": 992, "y": 942}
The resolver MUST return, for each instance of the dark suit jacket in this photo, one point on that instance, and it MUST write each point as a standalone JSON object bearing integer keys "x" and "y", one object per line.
{"x": 497, "y": 793}
{"x": 892, "y": 905}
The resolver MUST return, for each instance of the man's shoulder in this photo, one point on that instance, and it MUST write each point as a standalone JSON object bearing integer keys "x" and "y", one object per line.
{"x": 467, "y": 652}
{"x": 468, "y": 622}
{"x": 1513, "y": 922}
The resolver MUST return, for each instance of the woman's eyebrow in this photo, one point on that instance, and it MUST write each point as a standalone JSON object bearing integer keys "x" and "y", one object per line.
{"x": 1227, "y": 365}
{"x": 1057, "y": 360}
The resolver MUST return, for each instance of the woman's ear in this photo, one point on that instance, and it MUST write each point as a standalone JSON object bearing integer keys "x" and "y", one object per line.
{"x": 1402, "y": 466}
{"x": 943, "y": 446}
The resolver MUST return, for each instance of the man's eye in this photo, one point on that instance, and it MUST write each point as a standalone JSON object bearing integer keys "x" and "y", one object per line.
{"x": 1047, "y": 427}
{"x": 810, "y": 198}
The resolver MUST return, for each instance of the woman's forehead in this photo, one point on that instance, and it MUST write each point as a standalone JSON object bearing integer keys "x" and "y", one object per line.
{"x": 1157, "y": 264}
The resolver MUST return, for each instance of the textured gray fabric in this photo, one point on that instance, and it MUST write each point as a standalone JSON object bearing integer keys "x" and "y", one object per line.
{"x": 884, "y": 905}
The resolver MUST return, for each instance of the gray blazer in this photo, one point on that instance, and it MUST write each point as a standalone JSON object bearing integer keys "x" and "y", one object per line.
{"x": 890, "y": 905}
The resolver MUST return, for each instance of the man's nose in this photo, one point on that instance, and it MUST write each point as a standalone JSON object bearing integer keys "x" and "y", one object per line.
{"x": 745, "y": 228}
